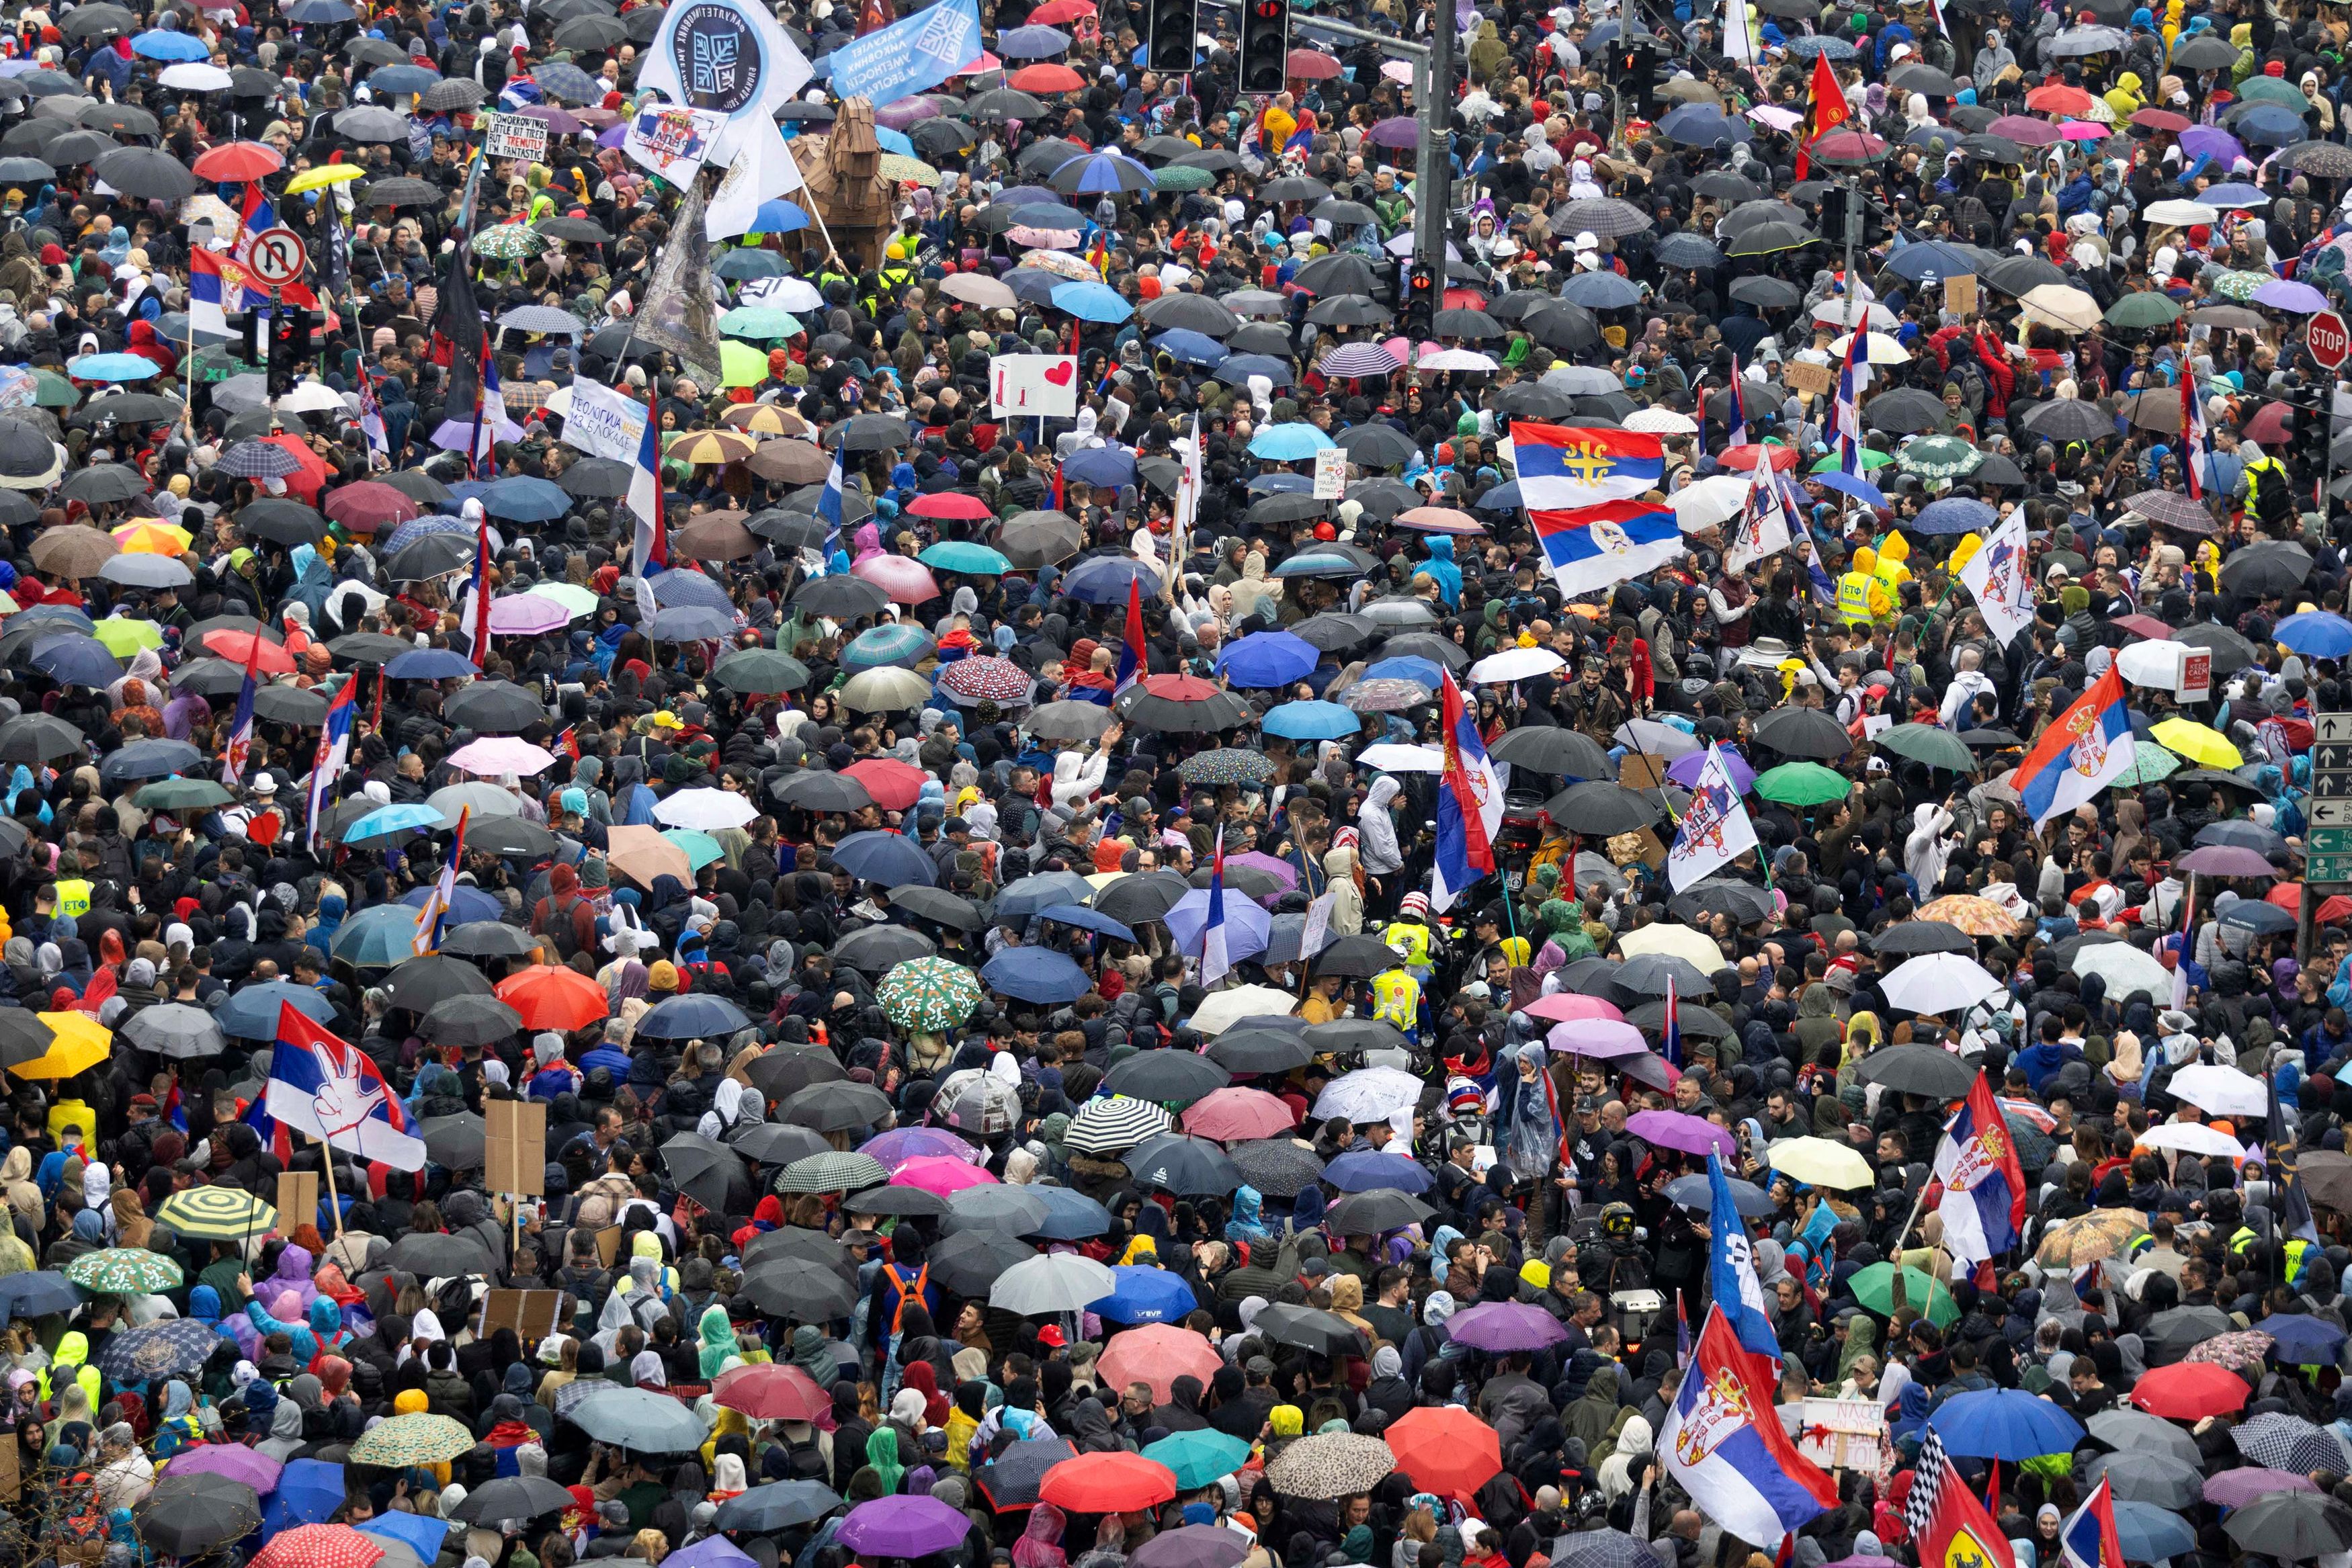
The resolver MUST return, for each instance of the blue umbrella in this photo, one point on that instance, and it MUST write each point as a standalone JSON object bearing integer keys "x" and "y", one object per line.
{"x": 1047, "y": 213}
{"x": 151, "y": 760}
{"x": 1032, "y": 42}
{"x": 523, "y": 500}
{"x": 320, "y": 13}
{"x": 73, "y": 660}
{"x": 695, "y": 1015}
{"x": 1103, "y": 579}
{"x": 2151, "y": 1534}
{"x": 1086, "y": 919}
{"x": 1192, "y": 349}
{"x": 1703, "y": 125}
{"x": 2270, "y": 124}
{"x": 429, "y": 664}
{"x": 1295, "y": 442}
{"x": 1266, "y": 659}
{"x": 1367, "y": 1170}
{"x": 309, "y": 1492}
{"x": 39, "y": 1295}
{"x": 164, "y": 44}
{"x": 1311, "y": 721}
{"x": 1808, "y": 44}
{"x": 2319, "y": 633}
{"x": 466, "y": 904}
{"x": 1601, "y": 291}
{"x": 391, "y": 821}
{"x": 689, "y": 623}
{"x": 402, "y": 80}
{"x": 878, "y": 647}
{"x": 1323, "y": 561}
{"x": 378, "y": 937}
{"x": 1145, "y": 1295}
{"x": 890, "y": 859}
{"x": 1108, "y": 467}
{"x": 1034, "y": 975}
{"x": 113, "y": 368}
{"x": 1070, "y": 1215}
{"x": 415, "y": 528}
{"x": 894, "y": 142}
{"x": 63, "y": 614}
{"x": 2235, "y": 193}
{"x": 689, "y": 588}
{"x": 1092, "y": 302}
{"x": 2304, "y": 1341}
{"x": 1238, "y": 369}
{"x": 1929, "y": 261}
{"x": 2004, "y": 1423}
{"x": 419, "y": 1533}
{"x": 1248, "y": 927}
{"x": 1037, "y": 894}
{"x": 778, "y": 218}
{"x": 1853, "y": 485}
{"x": 1280, "y": 483}
{"x": 1955, "y": 515}
{"x": 1406, "y": 667}
{"x": 251, "y": 1010}
{"x": 1503, "y": 497}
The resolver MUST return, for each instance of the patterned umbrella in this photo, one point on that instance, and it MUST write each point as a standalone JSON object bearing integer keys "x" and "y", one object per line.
{"x": 1386, "y": 695}
{"x": 158, "y": 1350}
{"x": 2283, "y": 1442}
{"x": 1330, "y": 1466}
{"x": 1110, "y": 1126}
{"x": 125, "y": 1271}
{"x": 929, "y": 996}
{"x": 1938, "y": 457}
{"x": 710, "y": 447}
{"x": 1975, "y": 916}
{"x": 259, "y": 460}
{"x": 976, "y": 1101}
{"x": 419, "y": 1438}
{"x": 509, "y": 242}
{"x": 320, "y": 1546}
{"x": 986, "y": 678}
{"x": 216, "y": 1214}
{"x": 2086, "y": 1239}
{"x": 1226, "y": 765}
{"x": 2241, "y": 286}
{"x": 2248, "y": 1349}
{"x": 2150, "y": 763}
{"x": 1359, "y": 359}
{"x": 834, "y": 1171}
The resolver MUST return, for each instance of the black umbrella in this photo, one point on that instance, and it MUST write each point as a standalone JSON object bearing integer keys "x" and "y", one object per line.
{"x": 1279, "y": 1168}
{"x": 1548, "y": 749}
{"x": 1918, "y": 1069}
{"x": 189, "y": 1515}
{"x": 38, "y": 737}
{"x": 2171, "y": 1335}
{"x": 1344, "y": 1035}
{"x": 969, "y": 1262}
{"x": 840, "y": 598}
{"x": 495, "y": 707}
{"x": 1803, "y": 732}
{"x": 787, "y": 1288}
{"x": 1307, "y": 1329}
{"x": 504, "y": 836}
{"x": 905, "y": 1202}
{"x": 938, "y": 905}
{"x": 511, "y": 1499}
{"x": 2230, "y": 651}
{"x": 1600, "y": 810}
{"x": 433, "y": 1256}
{"x": 702, "y": 1168}
{"x": 420, "y": 983}
{"x": 1376, "y": 1212}
{"x": 456, "y": 1142}
{"x": 1649, "y": 975}
{"x": 2269, "y": 567}
{"x": 1357, "y": 957}
{"x": 1743, "y": 903}
{"x": 2293, "y": 1526}
{"x": 1136, "y": 900}
{"x": 835, "y": 1107}
{"x": 774, "y": 1144}
{"x": 1190, "y": 1167}
{"x": 804, "y": 1246}
{"x": 1703, "y": 1022}
{"x": 1254, "y": 1046}
{"x": 877, "y": 948}
{"x": 471, "y": 1019}
{"x": 1913, "y": 937}
{"x": 779, "y": 1505}
{"x": 1167, "y": 1077}
{"x": 784, "y": 1070}
{"x": 149, "y": 173}
{"x": 1011, "y": 1480}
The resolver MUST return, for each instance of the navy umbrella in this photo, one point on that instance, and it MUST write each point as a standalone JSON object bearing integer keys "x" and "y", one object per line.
{"x": 1955, "y": 515}
{"x": 525, "y": 500}
{"x": 779, "y": 1505}
{"x": 1695, "y": 1192}
{"x": 1370, "y": 1170}
{"x": 36, "y": 1295}
{"x": 1107, "y": 466}
{"x": 2304, "y": 1341}
{"x": 429, "y": 664}
{"x": 693, "y": 1016}
{"x": 689, "y": 623}
{"x": 1192, "y": 348}
{"x": 71, "y": 659}
{"x": 891, "y": 859}
{"x": 150, "y": 759}
{"x": 1035, "y": 975}
{"x": 1086, "y": 919}
{"x": 1036, "y": 895}
{"x": 1103, "y": 579}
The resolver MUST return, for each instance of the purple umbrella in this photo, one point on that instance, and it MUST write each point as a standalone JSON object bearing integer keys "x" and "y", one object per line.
{"x": 899, "y": 1144}
{"x": 1686, "y": 771}
{"x": 912, "y": 111}
{"x": 526, "y": 615}
{"x": 2286, "y": 294}
{"x": 1685, "y": 1134}
{"x": 1281, "y": 871}
{"x": 2236, "y": 1489}
{"x": 2210, "y": 141}
{"x": 250, "y": 1466}
{"x": 2225, "y": 859}
{"x": 710, "y": 1551}
{"x": 2023, "y": 129}
{"x": 902, "y": 1527}
{"x": 1500, "y": 1327}
{"x": 613, "y": 135}
{"x": 1403, "y": 132}
{"x": 1602, "y": 1040}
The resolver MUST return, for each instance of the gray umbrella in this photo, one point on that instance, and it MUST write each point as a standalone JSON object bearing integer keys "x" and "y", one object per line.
{"x": 2166, "y": 1479}
{"x": 175, "y": 1029}
{"x": 1007, "y": 1210}
{"x": 149, "y": 173}
{"x": 1052, "y": 1282}
{"x": 639, "y": 1419}
{"x": 368, "y": 123}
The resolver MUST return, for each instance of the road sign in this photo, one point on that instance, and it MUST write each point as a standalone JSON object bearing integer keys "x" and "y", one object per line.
{"x": 2322, "y": 870}
{"x": 2331, "y": 840}
{"x": 278, "y": 257}
{"x": 2329, "y": 811}
{"x": 2328, "y": 338}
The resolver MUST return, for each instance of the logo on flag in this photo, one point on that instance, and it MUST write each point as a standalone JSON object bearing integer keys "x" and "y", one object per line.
{"x": 1727, "y": 1448}
{"x": 1564, "y": 466}
{"x": 323, "y": 1086}
{"x": 2075, "y": 757}
{"x": 1996, "y": 575}
{"x": 1716, "y": 830}
{"x": 1983, "y": 1205}
{"x": 1598, "y": 547}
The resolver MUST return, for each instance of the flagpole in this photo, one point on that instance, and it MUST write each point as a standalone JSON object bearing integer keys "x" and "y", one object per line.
{"x": 334, "y": 1203}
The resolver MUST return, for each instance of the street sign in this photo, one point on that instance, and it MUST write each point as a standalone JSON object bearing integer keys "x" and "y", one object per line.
{"x": 2330, "y": 842}
{"x": 2328, "y": 338}
{"x": 2329, "y": 811}
{"x": 2321, "y": 870}
{"x": 278, "y": 257}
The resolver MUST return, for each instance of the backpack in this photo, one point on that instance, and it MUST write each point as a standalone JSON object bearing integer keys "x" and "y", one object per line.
{"x": 556, "y": 918}
{"x": 803, "y": 1461}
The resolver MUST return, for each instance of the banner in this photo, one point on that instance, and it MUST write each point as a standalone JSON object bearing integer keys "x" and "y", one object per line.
{"x": 671, "y": 142}
{"x": 763, "y": 169}
{"x": 603, "y": 423}
{"x": 903, "y": 58}
{"x": 1032, "y": 386}
{"x": 679, "y": 313}
{"x": 1715, "y": 827}
{"x": 727, "y": 55}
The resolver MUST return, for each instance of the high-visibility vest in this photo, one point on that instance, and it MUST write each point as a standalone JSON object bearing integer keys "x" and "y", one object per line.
{"x": 1396, "y": 999}
{"x": 1853, "y": 598}
{"x": 1411, "y": 937}
{"x": 73, "y": 897}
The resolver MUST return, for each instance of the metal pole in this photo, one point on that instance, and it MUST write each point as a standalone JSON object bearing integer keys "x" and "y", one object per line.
{"x": 1434, "y": 196}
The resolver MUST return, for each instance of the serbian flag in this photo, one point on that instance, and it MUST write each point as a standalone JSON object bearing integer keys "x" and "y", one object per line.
{"x": 1723, "y": 1442}
{"x": 1594, "y": 547}
{"x": 327, "y": 763}
{"x": 1563, "y": 465}
{"x": 1854, "y": 375}
{"x": 477, "y": 613}
{"x": 1983, "y": 1204}
{"x": 1469, "y": 802}
{"x": 1670, "y": 1034}
{"x": 435, "y": 908}
{"x": 207, "y": 293}
{"x": 323, "y": 1086}
{"x": 2088, "y": 1539}
{"x": 240, "y": 727}
{"x": 1732, "y": 1283}
{"x": 828, "y": 507}
{"x": 486, "y": 395}
{"x": 1826, "y": 112}
{"x": 2076, "y": 757}
{"x": 2193, "y": 445}
{"x": 371, "y": 425}
{"x": 1736, "y": 415}
{"x": 1130, "y": 647}
{"x": 256, "y": 215}
{"x": 1215, "y": 965}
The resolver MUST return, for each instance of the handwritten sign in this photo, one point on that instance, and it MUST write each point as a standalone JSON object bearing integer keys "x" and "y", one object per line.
{"x": 603, "y": 423}
{"x": 1330, "y": 473}
{"x": 1034, "y": 386}
{"x": 1961, "y": 294}
{"x": 516, "y": 136}
{"x": 1808, "y": 380}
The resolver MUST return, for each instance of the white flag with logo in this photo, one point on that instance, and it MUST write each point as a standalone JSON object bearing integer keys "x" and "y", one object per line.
{"x": 1763, "y": 521}
{"x": 1714, "y": 831}
{"x": 1996, "y": 574}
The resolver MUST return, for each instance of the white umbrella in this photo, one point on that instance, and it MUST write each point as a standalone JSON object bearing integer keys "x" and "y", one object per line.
{"x": 1876, "y": 317}
{"x": 2219, "y": 1091}
{"x": 2156, "y": 664}
{"x": 706, "y": 809}
{"x": 1676, "y": 941}
{"x": 1662, "y": 421}
{"x": 1456, "y": 359}
{"x": 1657, "y": 739}
{"x": 1391, "y": 757}
{"x": 1717, "y": 498}
{"x": 1881, "y": 348}
{"x": 2191, "y": 1138}
{"x": 1223, "y": 1010}
{"x": 313, "y": 397}
{"x": 2181, "y": 215}
{"x": 1052, "y": 1282}
{"x": 194, "y": 76}
{"x": 1515, "y": 665}
{"x": 1939, "y": 983}
{"x": 2061, "y": 306}
{"x": 783, "y": 294}
{"x": 1370, "y": 1094}
{"x": 2127, "y": 970}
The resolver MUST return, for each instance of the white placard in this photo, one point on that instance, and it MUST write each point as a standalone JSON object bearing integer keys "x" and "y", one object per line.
{"x": 1330, "y": 473}
{"x": 1317, "y": 934}
{"x": 604, "y": 423}
{"x": 516, "y": 136}
{"x": 1034, "y": 386}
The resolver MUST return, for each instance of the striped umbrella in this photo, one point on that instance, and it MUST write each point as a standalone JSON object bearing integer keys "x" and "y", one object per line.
{"x": 1110, "y": 1126}
{"x": 216, "y": 1214}
{"x": 1359, "y": 359}
{"x": 710, "y": 447}
{"x": 833, "y": 1171}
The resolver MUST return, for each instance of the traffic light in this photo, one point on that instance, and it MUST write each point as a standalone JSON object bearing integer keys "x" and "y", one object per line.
{"x": 1171, "y": 28}
{"x": 1419, "y": 302}
{"x": 253, "y": 340}
{"x": 1265, "y": 46}
{"x": 1637, "y": 78}
{"x": 1834, "y": 213}
{"x": 289, "y": 345}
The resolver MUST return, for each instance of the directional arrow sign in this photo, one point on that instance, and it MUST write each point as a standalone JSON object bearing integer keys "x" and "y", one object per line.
{"x": 2331, "y": 814}
{"x": 2332, "y": 727}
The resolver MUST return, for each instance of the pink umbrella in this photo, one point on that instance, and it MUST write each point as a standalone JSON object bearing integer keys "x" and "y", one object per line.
{"x": 939, "y": 1175}
{"x": 1157, "y": 1353}
{"x": 527, "y": 615}
{"x": 1567, "y": 1007}
{"x": 905, "y": 580}
{"x": 1281, "y": 871}
{"x": 1231, "y": 1115}
{"x": 239, "y": 1463}
{"x": 2085, "y": 130}
{"x": 1684, "y": 1134}
{"x": 503, "y": 753}
{"x": 1599, "y": 1039}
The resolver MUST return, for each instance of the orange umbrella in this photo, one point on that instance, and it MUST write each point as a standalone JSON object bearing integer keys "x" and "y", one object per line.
{"x": 1445, "y": 1450}
{"x": 1157, "y": 1353}
{"x": 236, "y": 647}
{"x": 314, "y": 475}
{"x": 1107, "y": 1483}
{"x": 1046, "y": 76}
{"x": 2190, "y": 1391}
{"x": 551, "y": 996}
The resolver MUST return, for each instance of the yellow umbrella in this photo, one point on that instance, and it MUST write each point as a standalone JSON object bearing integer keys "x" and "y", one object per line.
{"x": 82, "y": 1043}
{"x": 740, "y": 364}
{"x": 325, "y": 174}
{"x": 2204, "y": 746}
{"x": 148, "y": 536}
{"x": 1820, "y": 1163}
{"x": 710, "y": 447}
{"x": 124, "y": 636}
{"x": 1696, "y": 947}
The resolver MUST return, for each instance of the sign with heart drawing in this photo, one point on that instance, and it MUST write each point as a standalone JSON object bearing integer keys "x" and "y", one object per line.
{"x": 1034, "y": 386}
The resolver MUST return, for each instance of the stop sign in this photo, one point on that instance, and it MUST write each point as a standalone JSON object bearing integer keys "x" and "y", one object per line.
{"x": 2327, "y": 339}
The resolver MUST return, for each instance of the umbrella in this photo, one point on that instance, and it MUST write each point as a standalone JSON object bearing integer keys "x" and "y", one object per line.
{"x": 215, "y": 1213}
{"x": 779, "y": 1505}
{"x": 1445, "y": 1450}
{"x": 2285, "y": 1442}
{"x": 125, "y": 1271}
{"x": 1501, "y": 1328}
{"x": 194, "y": 1509}
{"x": 1108, "y": 1482}
{"x": 1874, "y": 1287}
{"x": 640, "y": 1420}
{"x": 1919, "y": 1069}
{"x": 2188, "y": 1391}
{"x": 1328, "y": 1466}
{"x": 2004, "y": 1423}
{"x": 418, "y": 1437}
{"x": 2293, "y": 1526}
{"x": 155, "y": 1351}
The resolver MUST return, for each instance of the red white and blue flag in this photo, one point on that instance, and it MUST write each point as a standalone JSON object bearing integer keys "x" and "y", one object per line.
{"x": 1595, "y": 547}
{"x": 253, "y": 217}
{"x": 1732, "y": 1283}
{"x": 371, "y": 425}
{"x": 1670, "y": 1033}
{"x": 1469, "y": 802}
{"x": 1565, "y": 465}
{"x": 2088, "y": 1539}
{"x": 435, "y": 908}
{"x": 2193, "y": 443}
{"x": 240, "y": 727}
{"x": 324, "y": 1087}
{"x": 1983, "y": 1205}
{"x": 650, "y": 550}
{"x": 327, "y": 763}
{"x": 208, "y": 293}
{"x": 2077, "y": 757}
{"x": 1854, "y": 375}
{"x": 1215, "y": 965}
{"x": 1736, "y": 415}
{"x": 475, "y": 615}
{"x": 1132, "y": 666}
{"x": 1724, "y": 1444}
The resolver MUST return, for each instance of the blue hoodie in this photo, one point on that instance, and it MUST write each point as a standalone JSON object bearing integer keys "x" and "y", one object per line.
{"x": 1441, "y": 570}
{"x": 330, "y": 920}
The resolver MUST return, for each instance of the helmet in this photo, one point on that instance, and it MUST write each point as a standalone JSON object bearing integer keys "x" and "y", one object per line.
{"x": 1617, "y": 1222}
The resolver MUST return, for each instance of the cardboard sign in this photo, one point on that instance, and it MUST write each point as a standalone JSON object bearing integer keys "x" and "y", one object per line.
{"x": 1641, "y": 770}
{"x": 1330, "y": 473}
{"x": 1961, "y": 294}
{"x": 608, "y": 1245}
{"x": 515, "y": 1147}
{"x": 1034, "y": 386}
{"x": 516, "y": 136}
{"x": 603, "y": 423}
{"x": 1807, "y": 378}
{"x": 298, "y": 1200}
{"x": 532, "y": 1314}
{"x": 2196, "y": 676}
{"x": 1842, "y": 1434}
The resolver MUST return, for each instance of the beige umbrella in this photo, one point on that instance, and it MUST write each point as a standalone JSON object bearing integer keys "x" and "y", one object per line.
{"x": 987, "y": 293}
{"x": 1820, "y": 1163}
{"x": 1223, "y": 1010}
{"x": 74, "y": 551}
{"x": 790, "y": 462}
{"x": 885, "y": 691}
{"x": 2067, "y": 309}
{"x": 1677, "y": 941}
{"x": 641, "y": 854}
{"x": 717, "y": 536}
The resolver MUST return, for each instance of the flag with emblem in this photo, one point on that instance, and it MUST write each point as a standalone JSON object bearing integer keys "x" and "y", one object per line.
{"x": 1565, "y": 465}
{"x": 240, "y": 726}
{"x": 1715, "y": 829}
{"x": 1724, "y": 1444}
{"x": 1827, "y": 110}
{"x": 436, "y": 909}
{"x": 1996, "y": 575}
{"x": 1469, "y": 801}
{"x": 1947, "y": 1522}
{"x": 2090, "y": 745}
{"x": 1983, "y": 1205}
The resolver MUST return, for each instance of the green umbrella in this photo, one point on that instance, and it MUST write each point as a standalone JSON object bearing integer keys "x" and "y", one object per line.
{"x": 2146, "y": 309}
{"x": 509, "y": 242}
{"x": 1871, "y": 458}
{"x": 418, "y": 1437}
{"x": 929, "y": 996}
{"x": 2272, "y": 90}
{"x": 2240, "y": 286}
{"x": 181, "y": 795}
{"x": 214, "y": 365}
{"x": 1939, "y": 457}
{"x": 2150, "y": 763}
{"x": 1875, "y": 1288}
{"x": 125, "y": 1271}
{"x": 51, "y": 389}
{"x": 701, "y": 849}
{"x": 1802, "y": 784}
{"x": 761, "y": 672}
{"x": 763, "y": 321}
{"x": 1927, "y": 743}
{"x": 1182, "y": 177}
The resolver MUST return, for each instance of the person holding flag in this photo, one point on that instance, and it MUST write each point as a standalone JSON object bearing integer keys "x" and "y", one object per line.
{"x": 239, "y": 748}
{"x": 327, "y": 762}
{"x": 1133, "y": 664}
{"x": 1983, "y": 1201}
{"x": 1215, "y": 965}
{"x": 434, "y": 911}
{"x": 1469, "y": 802}
{"x": 1825, "y": 109}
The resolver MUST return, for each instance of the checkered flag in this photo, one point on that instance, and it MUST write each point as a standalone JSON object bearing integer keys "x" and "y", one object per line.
{"x": 1926, "y": 1486}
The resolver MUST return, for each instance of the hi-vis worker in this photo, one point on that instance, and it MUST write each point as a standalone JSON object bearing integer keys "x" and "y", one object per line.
{"x": 73, "y": 896}
{"x": 1890, "y": 569}
{"x": 1409, "y": 936}
{"x": 1861, "y": 595}
{"x": 2269, "y": 496}
{"x": 1396, "y": 997}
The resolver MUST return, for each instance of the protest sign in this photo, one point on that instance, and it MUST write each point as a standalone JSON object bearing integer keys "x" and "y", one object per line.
{"x": 604, "y": 423}
{"x": 1034, "y": 386}
{"x": 516, "y": 136}
{"x": 514, "y": 1146}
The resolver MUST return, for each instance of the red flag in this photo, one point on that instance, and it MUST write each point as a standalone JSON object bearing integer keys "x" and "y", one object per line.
{"x": 874, "y": 16}
{"x": 1959, "y": 1529}
{"x": 1827, "y": 111}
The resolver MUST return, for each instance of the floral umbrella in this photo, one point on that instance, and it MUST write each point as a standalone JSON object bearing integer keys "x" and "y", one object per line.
{"x": 1938, "y": 457}
{"x": 929, "y": 996}
{"x": 125, "y": 1271}
{"x": 2241, "y": 286}
{"x": 509, "y": 242}
{"x": 419, "y": 1438}
{"x": 2247, "y": 1349}
{"x": 2086, "y": 1239}
{"x": 986, "y": 678}
{"x": 1975, "y": 916}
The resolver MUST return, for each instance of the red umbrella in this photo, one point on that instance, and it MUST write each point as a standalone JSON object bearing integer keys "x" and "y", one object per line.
{"x": 1055, "y": 13}
{"x": 771, "y": 1393}
{"x": 1445, "y": 1450}
{"x": 2059, "y": 99}
{"x": 318, "y": 1546}
{"x": 238, "y": 161}
{"x": 1231, "y": 1115}
{"x": 2159, "y": 120}
{"x": 1157, "y": 1353}
{"x": 2190, "y": 1391}
{"x": 236, "y": 647}
{"x": 369, "y": 504}
{"x": 2146, "y": 626}
{"x": 2289, "y": 895}
{"x": 895, "y": 784}
{"x": 1310, "y": 65}
{"x": 551, "y": 996}
{"x": 1743, "y": 458}
{"x": 1046, "y": 76}
{"x": 314, "y": 475}
{"x": 2270, "y": 423}
{"x": 952, "y": 503}
{"x": 1107, "y": 1483}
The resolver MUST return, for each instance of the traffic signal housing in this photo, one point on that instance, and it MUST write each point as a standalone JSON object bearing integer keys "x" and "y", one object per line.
{"x": 1421, "y": 302}
{"x": 1265, "y": 46}
{"x": 289, "y": 346}
{"x": 1637, "y": 78}
{"x": 1173, "y": 28}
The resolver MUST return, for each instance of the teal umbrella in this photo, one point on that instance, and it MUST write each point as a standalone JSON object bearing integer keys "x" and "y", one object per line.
{"x": 378, "y": 938}
{"x": 701, "y": 848}
{"x": 759, "y": 321}
{"x": 878, "y": 647}
{"x": 963, "y": 556}
{"x": 1199, "y": 1459}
